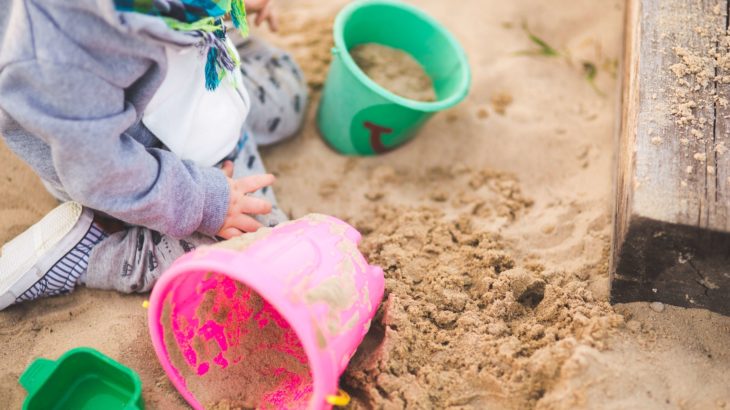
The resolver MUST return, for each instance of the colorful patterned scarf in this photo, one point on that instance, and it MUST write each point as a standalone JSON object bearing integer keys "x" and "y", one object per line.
{"x": 201, "y": 18}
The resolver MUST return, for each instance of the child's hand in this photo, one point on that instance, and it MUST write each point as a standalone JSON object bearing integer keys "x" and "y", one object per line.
{"x": 241, "y": 205}
{"x": 263, "y": 11}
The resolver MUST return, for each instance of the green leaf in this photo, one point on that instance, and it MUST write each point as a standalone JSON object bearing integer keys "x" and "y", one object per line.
{"x": 545, "y": 48}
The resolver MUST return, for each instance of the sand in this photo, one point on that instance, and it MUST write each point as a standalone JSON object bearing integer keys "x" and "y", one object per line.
{"x": 395, "y": 70}
{"x": 472, "y": 221}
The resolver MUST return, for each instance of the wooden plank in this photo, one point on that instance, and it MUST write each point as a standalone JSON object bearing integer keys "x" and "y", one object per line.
{"x": 671, "y": 239}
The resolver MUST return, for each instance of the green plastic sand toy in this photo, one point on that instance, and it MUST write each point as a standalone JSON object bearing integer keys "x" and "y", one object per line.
{"x": 356, "y": 116}
{"x": 81, "y": 379}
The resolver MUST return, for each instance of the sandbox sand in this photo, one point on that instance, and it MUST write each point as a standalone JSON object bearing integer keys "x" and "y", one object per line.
{"x": 493, "y": 228}
{"x": 395, "y": 70}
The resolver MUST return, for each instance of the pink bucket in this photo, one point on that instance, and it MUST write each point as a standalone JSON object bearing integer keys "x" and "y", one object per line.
{"x": 273, "y": 325}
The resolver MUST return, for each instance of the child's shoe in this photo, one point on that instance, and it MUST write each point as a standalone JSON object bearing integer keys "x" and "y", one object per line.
{"x": 48, "y": 258}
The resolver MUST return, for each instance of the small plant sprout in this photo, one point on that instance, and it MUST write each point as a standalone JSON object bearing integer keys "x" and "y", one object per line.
{"x": 591, "y": 71}
{"x": 545, "y": 49}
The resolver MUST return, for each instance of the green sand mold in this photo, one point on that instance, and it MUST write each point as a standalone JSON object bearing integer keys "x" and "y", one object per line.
{"x": 357, "y": 116}
{"x": 81, "y": 379}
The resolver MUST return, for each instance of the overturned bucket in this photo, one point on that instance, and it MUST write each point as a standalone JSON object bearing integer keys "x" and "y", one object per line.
{"x": 357, "y": 116}
{"x": 270, "y": 322}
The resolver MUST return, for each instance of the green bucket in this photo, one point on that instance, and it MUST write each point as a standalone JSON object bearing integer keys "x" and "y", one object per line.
{"x": 359, "y": 117}
{"x": 81, "y": 379}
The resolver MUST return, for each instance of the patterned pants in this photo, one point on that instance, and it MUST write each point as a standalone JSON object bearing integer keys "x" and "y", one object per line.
{"x": 132, "y": 259}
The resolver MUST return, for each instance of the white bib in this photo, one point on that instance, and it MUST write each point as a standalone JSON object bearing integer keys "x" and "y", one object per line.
{"x": 195, "y": 123}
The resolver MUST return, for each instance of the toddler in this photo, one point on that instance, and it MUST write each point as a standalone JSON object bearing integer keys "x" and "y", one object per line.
{"x": 143, "y": 117}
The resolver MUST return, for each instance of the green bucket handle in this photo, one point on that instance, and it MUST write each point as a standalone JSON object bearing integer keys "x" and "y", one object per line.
{"x": 36, "y": 374}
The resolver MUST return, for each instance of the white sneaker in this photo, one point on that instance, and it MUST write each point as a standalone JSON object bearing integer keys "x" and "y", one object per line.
{"x": 48, "y": 258}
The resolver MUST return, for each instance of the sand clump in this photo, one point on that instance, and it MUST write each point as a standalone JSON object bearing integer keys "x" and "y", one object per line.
{"x": 395, "y": 70}
{"x": 501, "y": 101}
{"x": 700, "y": 69}
{"x": 310, "y": 41}
{"x": 464, "y": 323}
{"x": 694, "y": 74}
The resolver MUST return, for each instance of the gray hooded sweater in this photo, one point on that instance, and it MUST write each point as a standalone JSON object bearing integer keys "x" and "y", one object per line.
{"x": 75, "y": 78}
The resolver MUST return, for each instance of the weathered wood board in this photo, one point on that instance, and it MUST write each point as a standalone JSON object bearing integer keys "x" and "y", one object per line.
{"x": 671, "y": 240}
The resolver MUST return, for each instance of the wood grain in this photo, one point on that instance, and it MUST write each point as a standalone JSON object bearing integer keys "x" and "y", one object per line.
{"x": 672, "y": 212}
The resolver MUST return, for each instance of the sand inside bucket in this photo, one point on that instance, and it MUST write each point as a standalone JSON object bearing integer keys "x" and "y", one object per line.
{"x": 255, "y": 361}
{"x": 395, "y": 70}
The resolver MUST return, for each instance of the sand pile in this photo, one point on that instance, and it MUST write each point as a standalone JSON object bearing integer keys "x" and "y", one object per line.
{"x": 394, "y": 70}
{"x": 465, "y": 324}
{"x": 309, "y": 39}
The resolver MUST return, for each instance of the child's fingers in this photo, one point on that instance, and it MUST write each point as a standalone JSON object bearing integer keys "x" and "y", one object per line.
{"x": 273, "y": 22}
{"x": 229, "y": 233}
{"x": 253, "y": 6}
{"x": 256, "y": 206}
{"x": 263, "y": 14}
{"x": 257, "y": 21}
{"x": 255, "y": 182}
{"x": 227, "y": 168}
{"x": 245, "y": 223}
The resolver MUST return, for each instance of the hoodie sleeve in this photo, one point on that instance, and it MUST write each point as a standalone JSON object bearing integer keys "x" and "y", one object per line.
{"x": 83, "y": 119}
